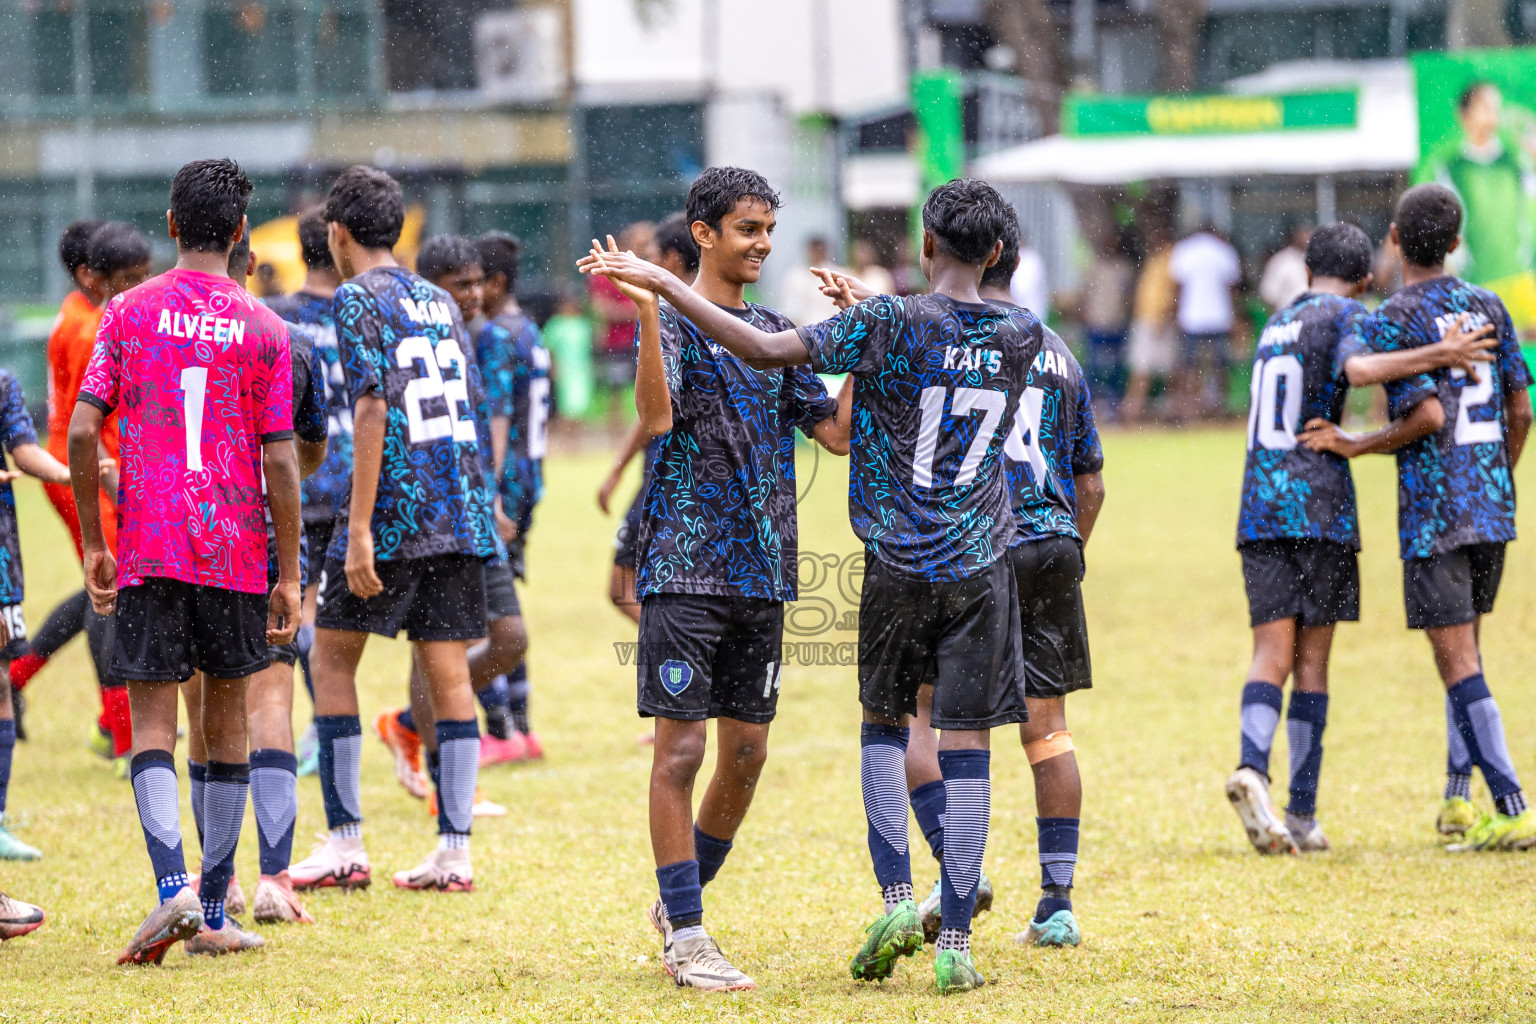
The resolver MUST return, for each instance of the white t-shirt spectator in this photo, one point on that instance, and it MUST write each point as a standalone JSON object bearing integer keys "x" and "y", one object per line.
{"x": 1285, "y": 277}
{"x": 1206, "y": 269}
{"x": 1028, "y": 287}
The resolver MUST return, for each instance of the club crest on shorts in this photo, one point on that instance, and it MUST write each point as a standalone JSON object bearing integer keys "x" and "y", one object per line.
{"x": 675, "y": 676}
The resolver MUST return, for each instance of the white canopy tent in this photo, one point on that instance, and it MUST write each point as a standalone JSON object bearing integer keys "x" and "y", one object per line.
{"x": 1385, "y": 138}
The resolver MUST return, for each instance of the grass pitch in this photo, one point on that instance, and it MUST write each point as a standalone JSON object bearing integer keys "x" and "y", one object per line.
{"x": 1182, "y": 920}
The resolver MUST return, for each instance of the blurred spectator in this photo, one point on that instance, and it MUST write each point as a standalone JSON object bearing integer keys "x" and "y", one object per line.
{"x": 1152, "y": 349}
{"x": 267, "y": 283}
{"x": 868, "y": 268}
{"x": 1285, "y": 275}
{"x": 614, "y": 317}
{"x": 1029, "y": 287}
{"x": 568, "y": 336}
{"x": 1208, "y": 271}
{"x": 800, "y": 297}
{"x": 1104, "y": 304}
{"x": 905, "y": 273}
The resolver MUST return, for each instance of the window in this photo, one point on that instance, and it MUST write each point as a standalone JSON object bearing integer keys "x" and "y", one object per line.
{"x": 250, "y": 48}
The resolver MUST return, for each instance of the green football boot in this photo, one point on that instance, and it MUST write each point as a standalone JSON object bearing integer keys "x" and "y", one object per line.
{"x": 931, "y": 909}
{"x": 1457, "y": 814}
{"x": 12, "y": 848}
{"x": 99, "y": 742}
{"x": 898, "y": 933}
{"x": 954, "y": 971}
{"x": 1499, "y": 832}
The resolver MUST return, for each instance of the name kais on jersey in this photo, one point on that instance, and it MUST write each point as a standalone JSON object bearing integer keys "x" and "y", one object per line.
{"x": 1049, "y": 362}
{"x": 972, "y": 360}
{"x": 201, "y": 327}
{"x": 1281, "y": 334}
{"x": 425, "y": 312}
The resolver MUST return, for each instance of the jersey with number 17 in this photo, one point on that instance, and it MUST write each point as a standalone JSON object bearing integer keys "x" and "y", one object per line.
{"x": 402, "y": 339}
{"x": 1455, "y": 487}
{"x": 199, "y": 374}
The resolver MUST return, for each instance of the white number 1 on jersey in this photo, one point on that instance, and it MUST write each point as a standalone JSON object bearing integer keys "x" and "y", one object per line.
{"x": 194, "y": 387}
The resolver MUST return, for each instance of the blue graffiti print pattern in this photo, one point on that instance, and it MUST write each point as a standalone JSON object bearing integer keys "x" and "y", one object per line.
{"x": 1053, "y": 440}
{"x": 325, "y": 491}
{"x": 938, "y": 383}
{"x": 1454, "y": 487}
{"x": 515, "y": 365}
{"x": 402, "y": 339}
{"x": 1289, "y": 491}
{"x": 16, "y": 429}
{"x": 720, "y": 503}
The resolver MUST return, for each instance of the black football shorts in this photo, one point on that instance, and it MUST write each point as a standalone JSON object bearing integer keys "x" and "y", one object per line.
{"x": 437, "y": 598}
{"x": 704, "y": 656}
{"x": 1453, "y": 588}
{"x": 962, "y": 636}
{"x": 167, "y": 628}
{"x": 1315, "y": 582}
{"x": 317, "y": 540}
{"x": 1049, "y": 576}
{"x": 500, "y": 591}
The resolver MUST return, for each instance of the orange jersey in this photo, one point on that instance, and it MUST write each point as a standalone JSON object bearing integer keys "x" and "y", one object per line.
{"x": 69, "y": 350}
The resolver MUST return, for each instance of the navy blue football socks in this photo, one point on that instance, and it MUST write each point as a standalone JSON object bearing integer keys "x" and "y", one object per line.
{"x": 341, "y": 765}
{"x": 517, "y": 698}
{"x": 458, "y": 760}
{"x": 928, "y": 807}
{"x": 275, "y": 798}
{"x": 1482, "y": 730}
{"x": 1458, "y": 762}
{"x": 1305, "y": 721}
{"x": 711, "y": 854}
{"x": 406, "y": 719}
{"x": 223, "y": 810}
{"x": 153, "y": 773}
{"x": 494, "y": 700}
{"x": 7, "y": 749}
{"x": 198, "y": 774}
{"x": 1260, "y": 719}
{"x": 1058, "y": 864}
{"x": 883, "y": 774}
{"x": 968, "y": 812}
{"x": 682, "y": 893}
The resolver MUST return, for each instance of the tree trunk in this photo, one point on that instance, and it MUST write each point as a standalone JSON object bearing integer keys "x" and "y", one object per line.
{"x": 1179, "y": 23}
{"x": 1026, "y": 28}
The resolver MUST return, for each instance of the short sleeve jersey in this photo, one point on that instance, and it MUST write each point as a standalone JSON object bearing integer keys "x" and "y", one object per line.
{"x": 1454, "y": 487}
{"x": 325, "y": 491}
{"x": 309, "y": 419}
{"x": 515, "y": 365}
{"x": 402, "y": 340}
{"x": 199, "y": 374}
{"x": 720, "y": 503}
{"x": 938, "y": 383}
{"x": 16, "y": 429}
{"x": 1053, "y": 441}
{"x": 1290, "y": 491}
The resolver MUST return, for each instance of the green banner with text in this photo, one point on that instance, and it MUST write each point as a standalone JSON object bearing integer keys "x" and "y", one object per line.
{"x": 1207, "y": 115}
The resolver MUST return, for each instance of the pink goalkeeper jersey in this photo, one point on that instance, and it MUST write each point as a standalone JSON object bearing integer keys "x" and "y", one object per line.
{"x": 199, "y": 374}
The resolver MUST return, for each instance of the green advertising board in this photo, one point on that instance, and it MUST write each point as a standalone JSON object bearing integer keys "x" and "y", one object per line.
{"x": 1207, "y": 115}
{"x": 936, "y": 106}
{"x": 1477, "y": 135}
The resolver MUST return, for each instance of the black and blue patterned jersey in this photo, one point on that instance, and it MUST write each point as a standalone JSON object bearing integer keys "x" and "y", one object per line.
{"x": 1454, "y": 487}
{"x": 402, "y": 339}
{"x": 325, "y": 490}
{"x": 16, "y": 429}
{"x": 937, "y": 384}
{"x": 515, "y": 365}
{"x": 1290, "y": 491}
{"x": 720, "y": 503}
{"x": 1053, "y": 441}
{"x": 309, "y": 424}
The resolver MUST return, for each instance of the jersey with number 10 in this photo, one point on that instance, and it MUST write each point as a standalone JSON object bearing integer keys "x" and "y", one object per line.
{"x": 402, "y": 339}
{"x": 1455, "y": 487}
{"x": 937, "y": 384}
{"x": 1289, "y": 491}
{"x": 199, "y": 374}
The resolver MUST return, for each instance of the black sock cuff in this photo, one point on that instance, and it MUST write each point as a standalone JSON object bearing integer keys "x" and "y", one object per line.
{"x": 145, "y": 758}
{"x": 876, "y": 732}
{"x": 335, "y": 727}
{"x": 454, "y": 729}
{"x": 927, "y": 789}
{"x": 271, "y": 757}
{"x": 229, "y": 771}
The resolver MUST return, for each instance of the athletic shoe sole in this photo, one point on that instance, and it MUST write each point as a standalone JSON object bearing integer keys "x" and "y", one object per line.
{"x": 179, "y": 924}
{"x": 16, "y": 931}
{"x": 351, "y": 880}
{"x": 1267, "y": 833}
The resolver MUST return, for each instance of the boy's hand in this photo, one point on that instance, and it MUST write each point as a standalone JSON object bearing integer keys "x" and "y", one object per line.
{"x": 623, "y": 267}
{"x": 1460, "y": 347}
{"x": 362, "y": 578}
{"x": 641, "y": 297}
{"x": 1320, "y": 435}
{"x": 283, "y": 612}
{"x": 605, "y": 491}
{"x": 839, "y": 286}
{"x": 8, "y": 475}
{"x": 506, "y": 527}
{"x": 101, "y": 580}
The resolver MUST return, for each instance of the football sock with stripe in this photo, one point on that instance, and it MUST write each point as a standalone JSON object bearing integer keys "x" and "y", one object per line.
{"x": 341, "y": 764}
{"x": 153, "y": 773}
{"x": 711, "y": 854}
{"x": 682, "y": 893}
{"x": 928, "y": 807}
{"x": 1458, "y": 761}
{"x": 1260, "y": 719}
{"x": 275, "y": 798}
{"x": 883, "y": 775}
{"x": 494, "y": 700}
{"x": 1058, "y": 864}
{"x": 517, "y": 698}
{"x": 406, "y": 719}
{"x": 7, "y": 749}
{"x": 967, "y": 815}
{"x": 1482, "y": 730}
{"x": 1305, "y": 721}
{"x": 458, "y": 758}
{"x": 223, "y": 810}
{"x": 198, "y": 774}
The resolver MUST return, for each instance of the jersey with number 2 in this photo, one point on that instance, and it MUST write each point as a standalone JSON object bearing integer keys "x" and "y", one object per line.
{"x": 199, "y": 374}
{"x": 402, "y": 339}
{"x": 1455, "y": 487}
